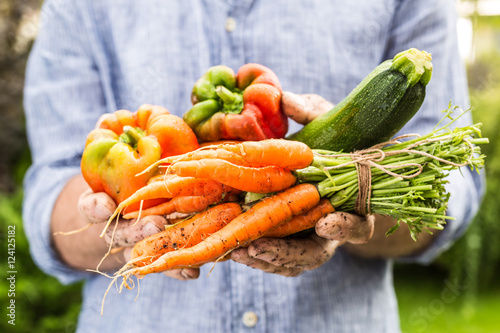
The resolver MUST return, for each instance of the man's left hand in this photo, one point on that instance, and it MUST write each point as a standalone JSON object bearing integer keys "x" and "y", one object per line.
{"x": 291, "y": 257}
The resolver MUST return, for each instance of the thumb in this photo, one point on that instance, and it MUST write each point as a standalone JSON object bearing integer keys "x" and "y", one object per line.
{"x": 96, "y": 207}
{"x": 346, "y": 227}
{"x": 304, "y": 108}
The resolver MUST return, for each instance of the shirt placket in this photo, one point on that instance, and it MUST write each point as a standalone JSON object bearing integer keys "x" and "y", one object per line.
{"x": 247, "y": 289}
{"x": 247, "y": 300}
{"x": 232, "y": 50}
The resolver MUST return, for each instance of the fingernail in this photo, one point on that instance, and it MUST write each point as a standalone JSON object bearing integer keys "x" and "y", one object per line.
{"x": 150, "y": 229}
{"x": 127, "y": 253}
{"x": 242, "y": 256}
{"x": 326, "y": 230}
{"x": 296, "y": 98}
{"x": 185, "y": 274}
{"x": 333, "y": 231}
{"x": 102, "y": 211}
{"x": 266, "y": 255}
{"x": 329, "y": 226}
{"x": 235, "y": 255}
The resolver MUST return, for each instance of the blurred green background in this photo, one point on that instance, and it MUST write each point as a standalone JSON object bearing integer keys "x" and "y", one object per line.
{"x": 458, "y": 293}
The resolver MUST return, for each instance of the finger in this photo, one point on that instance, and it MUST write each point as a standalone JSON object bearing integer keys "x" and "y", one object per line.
{"x": 294, "y": 106}
{"x": 127, "y": 253}
{"x": 308, "y": 253}
{"x": 96, "y": 207}
{"x": 128, "y": 232}
{"x": 304, "y": 108}
{"x": 183, "y": 274}
{"x": 241, "y": 256}
{"x": 346, "y": 227}
{"x": 177, "y": 216}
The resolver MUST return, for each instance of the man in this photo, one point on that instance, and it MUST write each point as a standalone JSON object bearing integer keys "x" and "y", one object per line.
{"x": 95, "y": 57}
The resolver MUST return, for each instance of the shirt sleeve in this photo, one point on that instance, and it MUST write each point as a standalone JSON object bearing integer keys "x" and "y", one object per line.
{"x": 430, "y": 25}
{"x": 63, "y": 99}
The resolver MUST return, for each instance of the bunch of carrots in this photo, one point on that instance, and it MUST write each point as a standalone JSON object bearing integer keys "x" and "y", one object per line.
{"x": 204, "y": 180}
{"x": 295, "y": 187}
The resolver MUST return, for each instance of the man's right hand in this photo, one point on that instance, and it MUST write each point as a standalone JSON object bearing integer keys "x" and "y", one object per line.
{"x": 75, "y": 208}
{"x": 98, "y": 207}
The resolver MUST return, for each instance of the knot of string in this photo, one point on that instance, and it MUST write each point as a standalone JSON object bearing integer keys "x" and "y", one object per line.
{"x": 365, "y": 159}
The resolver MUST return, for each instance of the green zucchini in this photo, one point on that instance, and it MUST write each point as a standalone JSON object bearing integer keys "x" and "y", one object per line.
{"x": 376, "y": 109}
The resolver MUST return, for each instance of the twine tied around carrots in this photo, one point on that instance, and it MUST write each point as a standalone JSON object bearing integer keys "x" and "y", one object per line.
{"x": 364, "y": 159}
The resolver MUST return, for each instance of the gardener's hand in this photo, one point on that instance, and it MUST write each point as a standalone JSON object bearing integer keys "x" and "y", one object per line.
{"x": 305, "y": 107}
{"x": 291, "y": 257}
{"x": 378, "y": 245}
{"x": 98, "y": 208}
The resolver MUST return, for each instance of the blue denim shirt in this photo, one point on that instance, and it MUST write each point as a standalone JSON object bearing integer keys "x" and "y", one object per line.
{"x": 93, "y": 57}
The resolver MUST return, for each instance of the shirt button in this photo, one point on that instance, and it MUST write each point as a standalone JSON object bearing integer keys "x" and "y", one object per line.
{"x": 230, "y": 24}
{"x": 250, "y": 319}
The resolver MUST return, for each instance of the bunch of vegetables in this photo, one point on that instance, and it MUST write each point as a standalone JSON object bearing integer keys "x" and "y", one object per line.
{"x": 407, "y": 182}
{"x": 336, "y": 162}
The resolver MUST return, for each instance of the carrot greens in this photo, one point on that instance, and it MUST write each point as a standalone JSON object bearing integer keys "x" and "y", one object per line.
{"x": 406, "y": 179}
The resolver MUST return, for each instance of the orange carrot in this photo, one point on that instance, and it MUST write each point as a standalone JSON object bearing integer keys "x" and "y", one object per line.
{"x": 302, "y": 222}
{"x": 184, "y": 234}
{"x": 188, "y": 204}
{"x": 274, "y": 152}
{"x": 212, "y": 153}
{"x": 259, "y": 180}
{"x": 159, "y": 178}
{"x": 245, "y": 228}
{"x": 173, "y": 186}
{"x": 135, "y": 209}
